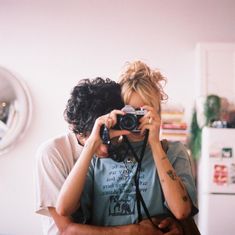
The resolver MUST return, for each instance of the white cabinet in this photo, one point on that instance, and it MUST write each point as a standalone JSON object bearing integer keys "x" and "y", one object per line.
{"x": 215, "y": 67}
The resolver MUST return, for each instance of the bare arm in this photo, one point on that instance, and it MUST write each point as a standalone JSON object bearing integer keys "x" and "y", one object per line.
{"x": 67, "y": 227}
{"x": 144, "y": 228}
{"x": 69, "y": 196}
{"x": 174, "y": 191}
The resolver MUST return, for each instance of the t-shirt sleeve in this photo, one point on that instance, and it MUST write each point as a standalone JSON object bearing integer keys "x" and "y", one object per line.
{"x": 50, "y": 174}
{"x": 182, "y": 165}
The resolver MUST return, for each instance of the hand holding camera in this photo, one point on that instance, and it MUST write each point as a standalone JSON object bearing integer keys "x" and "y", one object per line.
{"x": 131, "y": 120}
{"x": 137, "y": 121}
{"x": 152, "y": 123}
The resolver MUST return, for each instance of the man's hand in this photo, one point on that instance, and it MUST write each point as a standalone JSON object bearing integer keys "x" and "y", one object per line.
{"x": 67, "y": 227}
{"x": 171, "y": 226}
{"x": 146, "y": 227}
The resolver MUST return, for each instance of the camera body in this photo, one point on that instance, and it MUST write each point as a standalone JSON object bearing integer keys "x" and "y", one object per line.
{"x": 129, "y": 121}
{"x": 118, "y": 148}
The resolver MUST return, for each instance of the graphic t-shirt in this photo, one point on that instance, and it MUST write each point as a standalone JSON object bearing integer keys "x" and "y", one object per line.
{"x": 110, "y": 190}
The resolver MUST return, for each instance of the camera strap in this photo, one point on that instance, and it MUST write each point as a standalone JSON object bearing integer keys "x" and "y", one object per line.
{"x": 139, "y": 198}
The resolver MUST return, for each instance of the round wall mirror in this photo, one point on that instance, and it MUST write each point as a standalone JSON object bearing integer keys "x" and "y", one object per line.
{"x": 15, "y": 109}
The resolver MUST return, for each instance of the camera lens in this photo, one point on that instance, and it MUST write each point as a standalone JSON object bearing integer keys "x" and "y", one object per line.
{"x": 128, "y": 122}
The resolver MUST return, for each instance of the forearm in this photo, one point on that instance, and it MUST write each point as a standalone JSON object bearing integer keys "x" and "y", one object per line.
{"x": 69, "y": 197}
{"x": 67, "y": 226}
{"x": 143, "y": 228}
{"x": 83, "y": 229}
{"x": 174, "y": 191}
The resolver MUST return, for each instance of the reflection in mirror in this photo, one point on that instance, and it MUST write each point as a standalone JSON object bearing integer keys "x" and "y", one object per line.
{"x": 15, "y": 109}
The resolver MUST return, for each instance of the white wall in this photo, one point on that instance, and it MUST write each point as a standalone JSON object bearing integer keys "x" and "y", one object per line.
{"x": 54, "y": 44}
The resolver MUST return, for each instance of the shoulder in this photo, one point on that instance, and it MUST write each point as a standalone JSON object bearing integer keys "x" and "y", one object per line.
{"x": 61, "y": 146}
{"x": 55, "y": 143}
{"x": 177, "y": 150}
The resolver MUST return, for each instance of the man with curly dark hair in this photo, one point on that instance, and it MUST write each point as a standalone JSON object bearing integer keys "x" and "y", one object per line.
{"x": 89, "y": 100}
{"x": 55, "y": 158}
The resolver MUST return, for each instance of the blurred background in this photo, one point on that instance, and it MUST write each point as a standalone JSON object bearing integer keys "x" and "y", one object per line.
{"x": 51, "y": 45}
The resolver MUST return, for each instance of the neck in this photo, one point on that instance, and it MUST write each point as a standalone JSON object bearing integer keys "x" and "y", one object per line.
{"x": 135, "y": 137}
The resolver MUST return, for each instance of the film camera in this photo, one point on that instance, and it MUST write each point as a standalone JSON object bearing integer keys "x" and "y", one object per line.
{"x": 118, "y": 150}
{"x": 129, "y": 121}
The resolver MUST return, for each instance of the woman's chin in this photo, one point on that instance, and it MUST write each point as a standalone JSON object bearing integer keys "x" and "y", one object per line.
{"x": 135, "y": 136}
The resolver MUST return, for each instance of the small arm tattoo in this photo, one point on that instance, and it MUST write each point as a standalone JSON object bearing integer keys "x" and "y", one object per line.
{"x": 181, "y": 185}
{"x": 172, "y": 175}
{"x": 162, "y": 181}
{"x": 163, "y": 158}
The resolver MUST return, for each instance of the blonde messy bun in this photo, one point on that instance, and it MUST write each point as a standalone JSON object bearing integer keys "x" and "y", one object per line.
{"x": 148, "y": 83}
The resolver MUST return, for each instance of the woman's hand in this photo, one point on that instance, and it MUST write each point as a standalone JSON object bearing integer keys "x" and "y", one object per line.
{"x": 109, "y": 120}
{"x": 152, "y": 122}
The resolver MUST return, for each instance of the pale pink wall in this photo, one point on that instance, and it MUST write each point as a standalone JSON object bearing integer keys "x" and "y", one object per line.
{"x": 53, "y": 44}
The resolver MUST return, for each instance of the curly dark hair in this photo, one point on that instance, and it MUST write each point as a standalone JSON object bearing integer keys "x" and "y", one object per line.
{"x": 90, "y": 99}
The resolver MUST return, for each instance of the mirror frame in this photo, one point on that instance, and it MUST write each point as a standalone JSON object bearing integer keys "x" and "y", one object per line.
{"x": 23, "y": 109}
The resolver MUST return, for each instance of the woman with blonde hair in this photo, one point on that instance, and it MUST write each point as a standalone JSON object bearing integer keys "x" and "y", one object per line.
{"x": 142, "y": 87}
{"x": 148, "y": 83}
